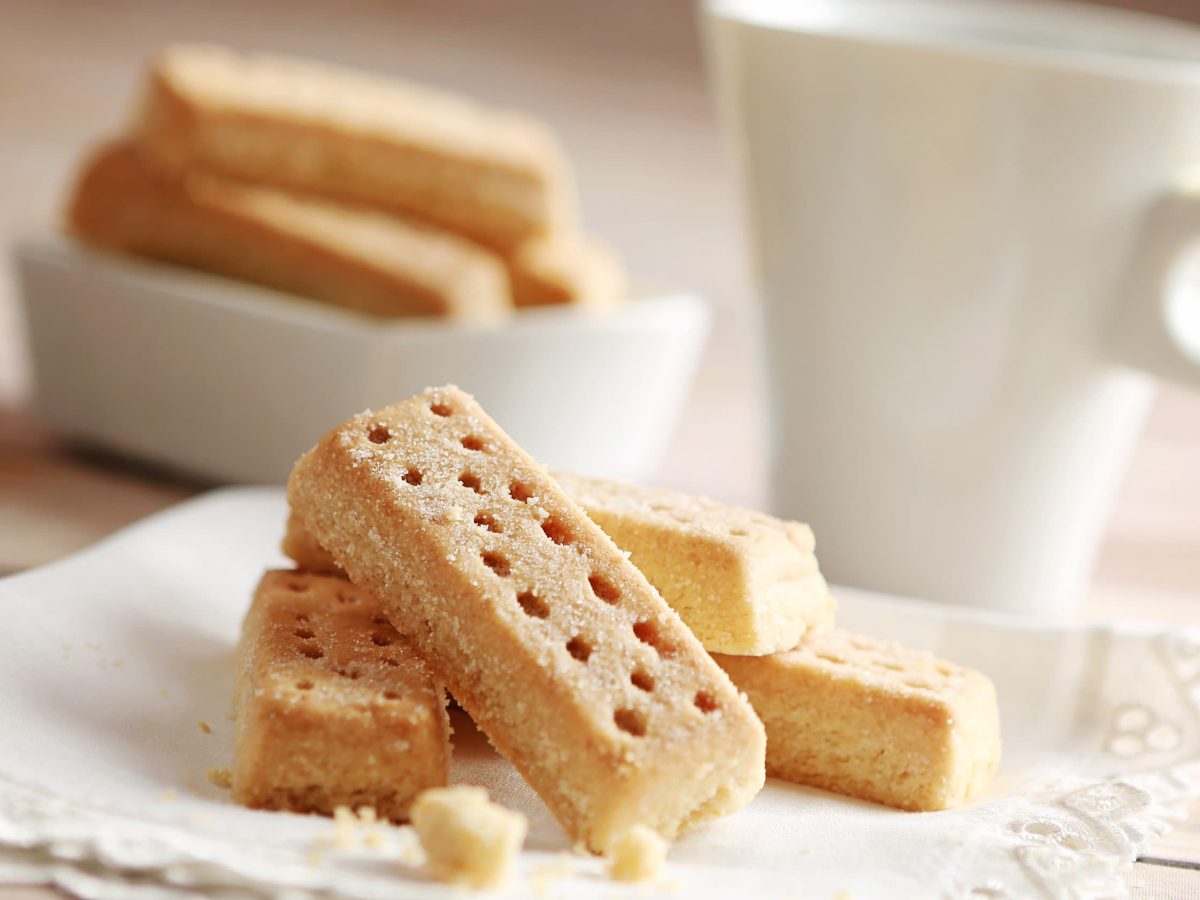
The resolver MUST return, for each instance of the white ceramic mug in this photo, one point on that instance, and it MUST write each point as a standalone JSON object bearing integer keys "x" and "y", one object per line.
{"x": 969, "y": 228}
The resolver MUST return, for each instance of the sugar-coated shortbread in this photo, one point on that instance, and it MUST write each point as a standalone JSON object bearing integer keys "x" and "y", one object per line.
{"x": 334, "y": 708}
{"x": 305, "y": 551}
{"x": 874, "y": 720}
{"x": 555, "y": 643}
{"x": 744, "y": 582}
{"x": 355, "y": 258}
{"x": 496, "y": 177}
{"x": 467, "y": 839}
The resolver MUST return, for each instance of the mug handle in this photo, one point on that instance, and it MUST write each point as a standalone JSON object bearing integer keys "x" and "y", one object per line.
{"x": 1157, "y": 327}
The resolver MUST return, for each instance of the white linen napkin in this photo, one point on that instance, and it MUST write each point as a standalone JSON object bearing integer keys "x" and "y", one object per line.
{"x": 113, "y": 658}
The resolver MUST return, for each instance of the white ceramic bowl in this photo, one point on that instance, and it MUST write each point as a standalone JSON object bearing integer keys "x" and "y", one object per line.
{"x": 233, "y": 382}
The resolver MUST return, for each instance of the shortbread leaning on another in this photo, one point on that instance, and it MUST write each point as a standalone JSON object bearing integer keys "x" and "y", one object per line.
{"x": 334, "y": 708}
{"x": 556, "y": 645}
{"x": 360, "y": 260}
{"x": 744, "y": 582}
{"x": 496, "y": 177}
{"x": 874, "y": 720}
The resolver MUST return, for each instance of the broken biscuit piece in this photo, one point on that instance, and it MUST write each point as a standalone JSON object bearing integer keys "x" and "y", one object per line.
{"x": 874, "y": 720}
{"x": 553, "y": 642}
{"x": 467, "y": 839}
{"x": 744, "y": 582}
{"x": 334, "y": 708}
{"x": 637, "y": 855}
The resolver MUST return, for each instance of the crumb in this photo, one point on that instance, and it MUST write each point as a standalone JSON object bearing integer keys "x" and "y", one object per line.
{"x": 168, "y": 794}
{"x": 164, "y": 693}
{"x": 205, "y": 727}
{"x": 118, "y": 664}
{"x": 546, "y": 874}
{"x": 221, "y": 778}
{"x": 467, "y": 839}
{"x": 345, "y": 829}
{"x": 410, "y": 852}
{"x": 376, "y": 840}
{"x": 637, "y": 855}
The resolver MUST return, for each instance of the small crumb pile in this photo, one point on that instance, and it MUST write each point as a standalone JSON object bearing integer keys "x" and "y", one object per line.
{"x": 468, "y": 840}
{"x": 346, "y": 829}
{"x": 352, "y": 832}
{"x": 637, "y": 855}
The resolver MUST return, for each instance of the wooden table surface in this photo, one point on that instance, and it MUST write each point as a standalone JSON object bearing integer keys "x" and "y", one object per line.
{"x": 628, "y": 96}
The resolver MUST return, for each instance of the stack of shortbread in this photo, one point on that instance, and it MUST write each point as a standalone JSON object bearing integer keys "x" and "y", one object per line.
{"x": 573, "y": 619}
{"x": 374, "y": 195}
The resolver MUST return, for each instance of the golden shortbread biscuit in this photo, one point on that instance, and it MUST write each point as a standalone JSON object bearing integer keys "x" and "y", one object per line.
{"x": 357, "y": 259}
{"x": 333, "y": 707}
{"x": 566, "y": 268}
{"x": 744, "y": 582}
{"x": 467, "y": 839}
{"x": 303, "y": 549}
{"x": 496, "y": 177}
{"x": 556, "y": 645}
{"x": 874, "y": 720}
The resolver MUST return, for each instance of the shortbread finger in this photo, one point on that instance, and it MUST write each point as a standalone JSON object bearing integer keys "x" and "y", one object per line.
{"x": 543, "y": 631}
{"x": 496, "y": 177}
{"x": 353, "y": 258}
{"x": 566, "y": 268}
{"x": 874, "y": 720}
{"x": 744, "y": 582}
{"x": 305, "y": 551}
{"x": 334, "y": 708}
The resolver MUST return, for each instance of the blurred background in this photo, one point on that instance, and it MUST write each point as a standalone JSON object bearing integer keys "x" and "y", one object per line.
{"x": 623, "y": 83}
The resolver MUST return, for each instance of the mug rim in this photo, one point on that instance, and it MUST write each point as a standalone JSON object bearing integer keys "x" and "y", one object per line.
{"x": 1055, "y": 17}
